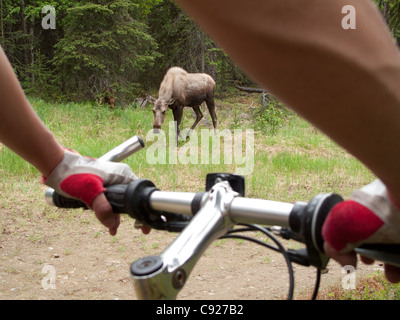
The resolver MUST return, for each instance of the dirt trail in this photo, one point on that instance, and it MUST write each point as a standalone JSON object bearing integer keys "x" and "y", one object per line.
{"x": 88, "y": 263}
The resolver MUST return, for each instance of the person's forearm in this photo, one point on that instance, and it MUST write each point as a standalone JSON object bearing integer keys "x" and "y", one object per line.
{"x": 346, "y": 82}
{"x": 21, "y": 130}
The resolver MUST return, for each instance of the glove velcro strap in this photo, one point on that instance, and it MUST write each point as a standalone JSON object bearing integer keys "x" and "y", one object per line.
{"x": 83, "y": 186}
{"x": 348, "y": 224}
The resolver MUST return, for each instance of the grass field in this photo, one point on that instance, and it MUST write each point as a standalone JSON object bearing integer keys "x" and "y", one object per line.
{"x": 294, "y": 164}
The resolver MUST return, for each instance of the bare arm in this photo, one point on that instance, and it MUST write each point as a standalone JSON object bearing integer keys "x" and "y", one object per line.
{"x": 23, "y": 132}
{"x": 346, "y": 82}
{"x": 20, "y": 129}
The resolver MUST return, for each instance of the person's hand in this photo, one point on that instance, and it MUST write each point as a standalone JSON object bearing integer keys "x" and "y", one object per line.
{"x": 104, "y": 213}
{"x": 369, "y": 217}
{"x": 86, "y": 179}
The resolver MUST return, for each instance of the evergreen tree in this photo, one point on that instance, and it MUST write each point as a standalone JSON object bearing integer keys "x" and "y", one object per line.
{"x": 104, "y": 46}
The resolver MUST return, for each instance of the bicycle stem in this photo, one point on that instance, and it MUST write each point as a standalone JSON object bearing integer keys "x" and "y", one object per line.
{"x": 162, "y": 277}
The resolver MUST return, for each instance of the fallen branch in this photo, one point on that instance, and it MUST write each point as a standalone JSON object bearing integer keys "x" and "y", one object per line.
{"x": 247, "y": 89}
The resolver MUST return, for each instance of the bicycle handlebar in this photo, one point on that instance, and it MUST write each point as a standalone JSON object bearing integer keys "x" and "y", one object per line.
{"x": 203, "y": 217}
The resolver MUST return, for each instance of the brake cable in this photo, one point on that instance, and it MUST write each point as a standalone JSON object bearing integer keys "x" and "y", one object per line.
{"x": 279, "y": 248}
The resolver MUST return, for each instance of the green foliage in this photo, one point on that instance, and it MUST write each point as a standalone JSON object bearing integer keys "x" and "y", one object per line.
{"x": 236, "y": 118}
{"x": 126, "y": 45}
{"x": 97, "y": 45}
{"x": 375, "y": 287}
{"x": 269, "y": 116}
{"x": 38, "y": 79}
{"x": 183, "y": 42}
{"x": 390, "y": 10}
{"x": 108, "y": 50}
{"x": 294, "y": 164}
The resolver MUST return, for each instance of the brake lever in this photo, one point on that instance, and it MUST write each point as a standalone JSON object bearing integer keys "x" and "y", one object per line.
{"x": 387, "y": 253}
{"x": 172, "y": 223}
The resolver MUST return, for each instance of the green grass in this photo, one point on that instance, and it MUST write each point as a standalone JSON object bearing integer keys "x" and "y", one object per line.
{"x": 296, "y": 162}
{"x": 374, "y": 287}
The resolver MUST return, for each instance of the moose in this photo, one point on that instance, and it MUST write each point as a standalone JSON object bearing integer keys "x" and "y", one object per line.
{"x": 181, "y": 89}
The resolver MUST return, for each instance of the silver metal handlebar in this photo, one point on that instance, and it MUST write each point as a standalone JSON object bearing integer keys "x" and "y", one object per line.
{"x": 124, "y": 150}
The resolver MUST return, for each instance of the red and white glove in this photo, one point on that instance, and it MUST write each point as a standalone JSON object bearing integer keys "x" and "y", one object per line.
{"x": 85, "y": 178}
{"x": 369, "y": 217}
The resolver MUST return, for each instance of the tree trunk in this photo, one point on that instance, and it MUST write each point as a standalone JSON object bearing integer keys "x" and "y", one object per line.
{"x": 32, "y": 50}
{"x": 25, "y": 29}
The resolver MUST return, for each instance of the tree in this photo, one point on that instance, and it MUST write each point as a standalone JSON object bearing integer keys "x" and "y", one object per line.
{"x": 98, "y": 45}
{"x": 390, "y": 10}
{"x": 180, "y": 40}
{"x": 184, "y": 44}
{"x": 104, "y": 46}
{"x": 29, "y": 47}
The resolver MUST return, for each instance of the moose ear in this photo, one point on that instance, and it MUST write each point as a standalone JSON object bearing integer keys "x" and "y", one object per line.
{"x": 170, "y": 101}
{"x": 151, "y": 99}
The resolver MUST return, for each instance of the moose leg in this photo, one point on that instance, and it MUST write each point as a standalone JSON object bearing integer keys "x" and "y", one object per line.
{"x": 199, "y": 116}
{"x": 177, "y": 112}
{"x": 211, "y": 109}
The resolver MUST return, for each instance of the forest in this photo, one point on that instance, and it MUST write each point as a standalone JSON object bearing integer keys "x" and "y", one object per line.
{"x": 120, "y": 45}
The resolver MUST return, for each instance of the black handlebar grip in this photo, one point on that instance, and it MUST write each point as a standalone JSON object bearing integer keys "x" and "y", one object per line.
{"x": 64, "y": 202}
{"x": 115, "y": 194}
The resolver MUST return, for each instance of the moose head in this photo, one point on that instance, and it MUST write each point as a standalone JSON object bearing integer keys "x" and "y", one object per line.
{"x": 159, "y": 110}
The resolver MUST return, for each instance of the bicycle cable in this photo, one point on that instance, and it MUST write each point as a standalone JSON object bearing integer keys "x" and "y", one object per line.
{"x": 279, "y": 248}
{"x": 316, "y": 287}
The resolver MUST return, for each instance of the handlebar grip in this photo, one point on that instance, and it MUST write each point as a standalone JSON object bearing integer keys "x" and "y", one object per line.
{"x": 60, "y": 201}
{"x": 115, "y": 194}
{"x": 132, "y": 199}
